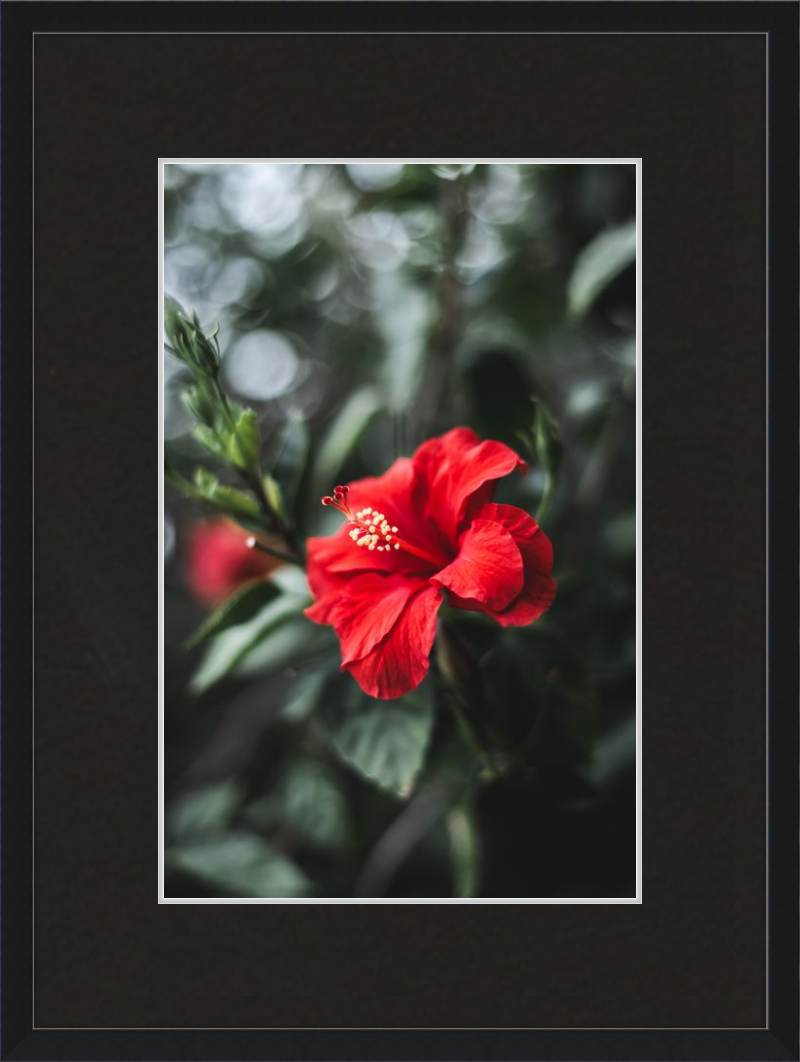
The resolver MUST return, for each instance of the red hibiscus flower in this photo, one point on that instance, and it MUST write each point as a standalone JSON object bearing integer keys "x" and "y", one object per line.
{"x": 219, "y": 561}
{"x": 426, "y": 528}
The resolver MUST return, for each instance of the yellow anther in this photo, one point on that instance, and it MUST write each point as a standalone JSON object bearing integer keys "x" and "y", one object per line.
{"x": 369, "y": 527}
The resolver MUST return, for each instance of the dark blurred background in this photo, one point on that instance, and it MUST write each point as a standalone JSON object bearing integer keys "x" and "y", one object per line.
{"x": 363, "y": 308}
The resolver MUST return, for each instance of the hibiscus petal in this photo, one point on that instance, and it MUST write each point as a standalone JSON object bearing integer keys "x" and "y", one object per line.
{"x": 449, "y": 470}
{"x": 538, "y": 588}
{"x": 322, "y": 611}
{"x": 333, "y": 559}
{"x": 523, "y": 528}
{"x": 400, "y": 661}
{"x": 537, "y": 594}
{"x": 390, "y": 491}
{"x": 428, "y": 458}
{"x": 365, "y": 612}
{"x": 393, "y": 495}
{"x": 488, "y": 567}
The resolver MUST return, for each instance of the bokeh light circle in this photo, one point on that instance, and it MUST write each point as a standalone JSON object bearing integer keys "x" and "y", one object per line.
{"x": 261, "y": 365}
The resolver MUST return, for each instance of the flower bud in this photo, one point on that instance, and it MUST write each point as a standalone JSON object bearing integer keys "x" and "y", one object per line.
{"x": 206, "y": 354}
{"x": 187, "y": 340}
{"x": 219, "y": 560}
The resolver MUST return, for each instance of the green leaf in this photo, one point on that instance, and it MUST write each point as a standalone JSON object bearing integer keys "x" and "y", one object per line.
{"x": 233, "y": 643}
{"x": 235, "y": 502}
{"x": 549, "y": 447}
{"x": 385, "y": 741}
{"x": 302, "y": 699}
{"x": 464, "y": 851}
{"x": 274, "y": 496}
{"x": 540, "y": 438}
{"x": 176, "y": 479}
{"x": 343, "y": 436}
{"x": 175, "y": 322}
{"x": 187, "y": 341}
{"x": 209, "y": 439}
{"x": 614, "y": 759}
{"x": 173, "y": 312}
{"x": 203, "y": 811}
{"x": 244, "y": 445}
{"x": 242, "y": 865}
{"x": 292, "y": 580}
{"x": 200, "y": 404}
{"x": 289, "y": 459}
{"x": 620, "y": 535}
{"x": 598, "y": 264}
{"x": 541, "y": 441}
{"x": 229, "y": 499}
{"x": 237, "y": 609}
{"x": 205, "y": 481}
{"x": 308, "y": 801}
{"x": 289, "y": 644}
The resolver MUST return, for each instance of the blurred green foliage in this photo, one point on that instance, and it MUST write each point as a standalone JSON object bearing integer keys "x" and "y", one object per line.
{"x": 358, "y": 310}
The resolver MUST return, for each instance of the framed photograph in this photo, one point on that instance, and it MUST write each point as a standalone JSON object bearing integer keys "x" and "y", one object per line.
{"x": 371, "y": 714}
{"x": 413, "y": 492}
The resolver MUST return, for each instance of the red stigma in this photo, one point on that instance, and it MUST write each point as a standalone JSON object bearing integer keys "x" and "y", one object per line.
{"x": 339, "y": 501}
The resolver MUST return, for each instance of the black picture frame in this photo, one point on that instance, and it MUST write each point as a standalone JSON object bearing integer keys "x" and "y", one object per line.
{"x": 68, "y": 414}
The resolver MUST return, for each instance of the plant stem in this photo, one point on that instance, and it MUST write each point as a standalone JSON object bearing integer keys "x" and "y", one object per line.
{"x": 256, "y": 484}
{"x": 461, "y": 679}
{"x": 183, "y": 485}
{"x": 547, "y": 497}
{"x": 468, "y": 733}
{"x": 283, "y": 529}
{"x": 226, "y": 406}
{"x": 447, "y": 327}
{"x": 394, "y": 847}
{"x": 291, "y": 558}
{"x": 464, "y": 849}
{"x": 252, "y": 478}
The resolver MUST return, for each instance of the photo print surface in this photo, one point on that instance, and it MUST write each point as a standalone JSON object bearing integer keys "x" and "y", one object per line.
{"x": 400, "y": 490}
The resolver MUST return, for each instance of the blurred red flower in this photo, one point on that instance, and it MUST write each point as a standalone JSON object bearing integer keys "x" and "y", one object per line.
{"x": 219, "y": 561}
{"x": 425, "y": 528}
